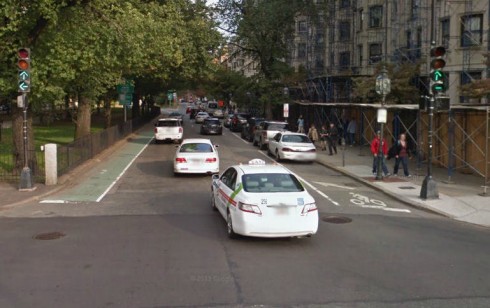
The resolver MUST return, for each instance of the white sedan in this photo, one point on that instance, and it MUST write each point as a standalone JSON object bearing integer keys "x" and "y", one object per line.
{"x": 292, "y": 146}
{"x": 196, "y": 155}
{"x": 200, "y": 116}
{"x": 264, "y": 201}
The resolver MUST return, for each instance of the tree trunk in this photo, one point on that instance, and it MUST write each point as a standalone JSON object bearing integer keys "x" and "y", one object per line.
{"x": 268, "y": 110}
{"x": 18, "y": 140}
{"x": 83, "y": 122}
{"x": 107, "y": 112}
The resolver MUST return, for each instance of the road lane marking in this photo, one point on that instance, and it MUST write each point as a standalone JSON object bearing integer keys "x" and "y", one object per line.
{"x": 306, "y": 182}
{"x": 366, "y": 202}
{"x": 239, "y": 137}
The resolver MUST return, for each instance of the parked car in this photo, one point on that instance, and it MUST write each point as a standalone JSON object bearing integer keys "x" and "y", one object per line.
{"x": 292, "y": 146}
{"x": 263, "y": 200}
{"x": 196, "y": 155}
{"x": 192, "y": 112}
{"x": 4, "y": 108}
{"x": 200, "y": 116}
{"x": 176, "y": 114}
{"x": 249, "y": 128}
{"x": 211, "y": 126}
{"x": 227, "y": 120}
{"x": 238, "y": 120}
{"x": 168, "y": 129}
{"x": 267, "y": 130}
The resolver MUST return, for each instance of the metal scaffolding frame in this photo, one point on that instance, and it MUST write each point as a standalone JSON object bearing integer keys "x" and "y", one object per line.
{"x": 460, "y": 145}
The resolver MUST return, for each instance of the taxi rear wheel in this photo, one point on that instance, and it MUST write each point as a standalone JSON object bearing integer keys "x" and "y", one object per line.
{"x": 229, "y": 226}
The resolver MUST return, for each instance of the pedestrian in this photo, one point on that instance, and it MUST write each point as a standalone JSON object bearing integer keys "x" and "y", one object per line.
{"x": 401, "y": 153}
{"x": 375, "y": 151}
{"x": 351, "y": 132}
{"x": 313, "y": 134}
{"x": 332, "y": 138}
{"x": 323, "y": 137}
{"x": 301, "y": 124}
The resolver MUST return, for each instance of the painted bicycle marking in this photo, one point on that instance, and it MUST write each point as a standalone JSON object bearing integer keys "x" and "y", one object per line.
{"x": 366, "y": 202}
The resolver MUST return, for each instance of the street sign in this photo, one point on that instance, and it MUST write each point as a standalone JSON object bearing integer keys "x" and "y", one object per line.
{"x": 285, "y": 110}
{"x": 383, "y": 84}
{"x": 125, "y": 99}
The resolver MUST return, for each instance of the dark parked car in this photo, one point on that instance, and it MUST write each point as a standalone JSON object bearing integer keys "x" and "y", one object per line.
{"x": 227, "y": 120}
{"x": 238, "y": 120}
{"x": 211, "y": 126}
{"x": 248, "y": 129}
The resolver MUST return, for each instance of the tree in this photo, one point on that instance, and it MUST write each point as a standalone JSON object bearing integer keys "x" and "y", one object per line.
{"x": 262, "y": 30}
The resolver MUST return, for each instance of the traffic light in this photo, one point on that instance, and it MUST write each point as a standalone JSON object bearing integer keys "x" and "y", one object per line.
{"x": 438, "y": 79}
{"x": 24, "y": 70}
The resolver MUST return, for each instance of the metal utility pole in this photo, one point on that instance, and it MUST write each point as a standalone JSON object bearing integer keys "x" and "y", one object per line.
{"x": 429, "y": 186}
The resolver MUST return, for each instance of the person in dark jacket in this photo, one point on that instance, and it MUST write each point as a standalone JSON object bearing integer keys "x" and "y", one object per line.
{"x": 332, "y": 139}
{"x": 401, "y": 153}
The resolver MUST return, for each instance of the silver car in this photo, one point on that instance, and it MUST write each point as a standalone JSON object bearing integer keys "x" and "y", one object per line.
{"x": 200, "y": 116}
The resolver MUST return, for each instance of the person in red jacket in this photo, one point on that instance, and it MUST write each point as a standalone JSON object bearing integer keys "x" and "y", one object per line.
{"x": 375, "y": 151}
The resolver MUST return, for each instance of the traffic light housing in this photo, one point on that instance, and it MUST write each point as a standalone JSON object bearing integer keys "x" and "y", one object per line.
{"x": 24, "y": 70}
{"x": 438, "y": 79}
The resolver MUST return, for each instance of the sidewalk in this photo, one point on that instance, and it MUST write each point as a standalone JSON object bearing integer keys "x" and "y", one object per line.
{"x": 460, "y": 200}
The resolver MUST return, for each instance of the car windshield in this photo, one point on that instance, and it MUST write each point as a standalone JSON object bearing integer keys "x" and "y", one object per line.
{"x": 168, "y": 123}
{"x": 212, "y": 122}
{"x": 271, "y": 182}
{"x": 296, "y": 139}
{"x": 196, "y": 148}
{"x": 277, "y": 126}
{"x": 175, "y": 114}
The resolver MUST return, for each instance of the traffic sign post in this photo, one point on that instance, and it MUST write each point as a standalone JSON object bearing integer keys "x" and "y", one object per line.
{"x": 125, "y": 92}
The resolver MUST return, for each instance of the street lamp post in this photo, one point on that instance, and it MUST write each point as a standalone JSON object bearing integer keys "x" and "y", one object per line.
{"x": 383, "y": 87}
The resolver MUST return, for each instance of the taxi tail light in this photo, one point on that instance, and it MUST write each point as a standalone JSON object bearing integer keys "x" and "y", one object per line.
{"x": 311, "y": 150}
{"x": 249, "y": 208}
{"x": 155, "y": 130}
{"x": 181, "y": 129}
{"x": 211, "y": 159}
{"x": 310, "y": 207}
{"x": 287, "y": 150}
{"x": 180, "y": 160}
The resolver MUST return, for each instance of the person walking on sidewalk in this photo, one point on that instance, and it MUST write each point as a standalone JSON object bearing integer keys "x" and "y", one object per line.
{"x": 351, "y": 132}
{"x": 332, "y": 138}
{"x": 401, "y": 153}
{"x": 301, "y": 124}
{"x": 313, "y": 134}
{"x": 375, "y": 144}
{"x": 323, "y": 137}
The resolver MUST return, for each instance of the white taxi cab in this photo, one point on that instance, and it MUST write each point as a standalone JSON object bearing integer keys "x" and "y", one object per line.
{"x": 263, "y": 200}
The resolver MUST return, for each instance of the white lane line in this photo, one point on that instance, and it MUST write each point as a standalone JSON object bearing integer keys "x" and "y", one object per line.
{"x": 304, "y": 181}
{"x": 244, "y": 141}
{"x": 333, "y": 185}
{"x": 124, "y": 171}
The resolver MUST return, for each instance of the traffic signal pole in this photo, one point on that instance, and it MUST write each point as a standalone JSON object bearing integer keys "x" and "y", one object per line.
{"x": 429, "y": 185}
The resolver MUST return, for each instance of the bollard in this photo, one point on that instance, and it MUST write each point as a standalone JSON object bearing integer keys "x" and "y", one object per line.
{"x": 51, "y": 163}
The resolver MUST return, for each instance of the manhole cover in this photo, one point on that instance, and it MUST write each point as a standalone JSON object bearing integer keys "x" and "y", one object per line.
{"x": 49, "y": 236}
{"x": 406, "y": 187}
{"x": 337, "y": 219}
{"x": 351, "y": 184}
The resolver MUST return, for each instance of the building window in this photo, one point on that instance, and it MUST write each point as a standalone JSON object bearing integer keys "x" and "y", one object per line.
{"x": 331, "y": 36}
{"x": 465, "y": 78}
{"x": 409, "y": 39}
{"x": 359, "y": 53}
{"x": 319, "y": 63}
{"x": 418, "y": 44}
{"x": 414, "y": 6}
{"x": 344, "y": 60}
{"x": 445, "y": 32}
{"x": 332, "y": 59}
{"x": 344, "y": 3}
{"x": 375, "y": 16}
{"x": 374, "y": 53}
{"x": 302, "y": 26}
{"x": 344, "y": 31}
{"x": 360, "y": 20}
{"x": 471, "y": 30}
{"x": 301, "y": 50}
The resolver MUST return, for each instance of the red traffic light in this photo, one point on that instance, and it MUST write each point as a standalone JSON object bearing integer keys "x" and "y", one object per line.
{"x": 438, "y": 51}
{"x": 23, "y": 55}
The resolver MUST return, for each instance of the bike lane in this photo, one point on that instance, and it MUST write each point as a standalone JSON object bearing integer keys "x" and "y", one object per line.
{"x": 99, "y": 181}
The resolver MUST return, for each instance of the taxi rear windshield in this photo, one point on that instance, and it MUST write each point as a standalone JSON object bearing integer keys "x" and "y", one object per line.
{"x": 271, "y": 182}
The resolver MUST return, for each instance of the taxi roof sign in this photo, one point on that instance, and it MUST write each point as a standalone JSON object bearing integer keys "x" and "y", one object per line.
{"x": 256, "y": 161}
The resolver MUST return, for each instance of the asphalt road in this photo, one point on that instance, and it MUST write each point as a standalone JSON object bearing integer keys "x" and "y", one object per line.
{"x": 150, "y": 239}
